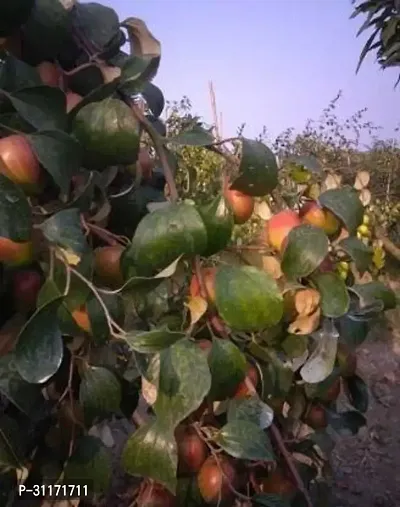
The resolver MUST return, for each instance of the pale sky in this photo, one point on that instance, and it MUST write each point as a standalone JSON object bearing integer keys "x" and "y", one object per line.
{"x": 273, "y": 62}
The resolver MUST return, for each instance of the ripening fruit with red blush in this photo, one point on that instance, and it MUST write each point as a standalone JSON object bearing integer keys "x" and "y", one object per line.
{"x": 278, "y": 484}
{"x": 50, "y": 74}
{"x": 155, "y": 495}
{"x": 26, "y": 285}
{"x": 192, "y": 450}
{"x": 242, "y": 390}
{"x": 242, "y": 205}
{"x": 214, "y": 478}
{"x": 209, "y": 282}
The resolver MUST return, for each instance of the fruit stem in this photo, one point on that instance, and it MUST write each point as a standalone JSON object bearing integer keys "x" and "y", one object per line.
{"x": 159, "y": 146}
{"x": 110, "y": 321}
{"x": 288, "y": 458}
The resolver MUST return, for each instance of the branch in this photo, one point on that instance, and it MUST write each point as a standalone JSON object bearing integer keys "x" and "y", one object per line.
{"x": 388, "y": 245}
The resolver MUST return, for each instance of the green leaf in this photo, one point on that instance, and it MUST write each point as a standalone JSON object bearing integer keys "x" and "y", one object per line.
{"x": 295, "y": 345}
{"x": 245, "y": 440}
{"x": 251, "y": 409}
{"x": 321, "y": 362}
{"x": 108, "y": 132}
{"x": 13, "y": 15}
{"x": 346, "y": 205}
{"x": 375, "y": 291}
{"x": 44, "y": 107}
{"x": 15, "y": 212}
{"x": 97, "y": 317}
{"x": 11, "y": 453}
{"x": 97, "y": 23}
{"x": 357, "y": 392}
{"x": 196, "y": 136}
{"x": 134, "y": 73}
{"x": 228, "y": 368}
{"x": 269, "y": 500}
{"x": 361, "y": 254}
{"x": 25, "y": 396}
{"x": 154, "y": 98}
{"x": 90, "y": 464}
{"x": 99, "y": 393}
{"x": 258, "y": 170}
{"x": 307, "y": 246}
{"x": 152, "y": 452}
{"x": 178, "y": 396}
{"x": 353, "y": 332}
{"x": 335, "y": 300}
{"x": 151, "y": 342}
{"x": 16, "y": 74}
{"x": 346, "y": 423}
{"x": 53, "y": 22}
{"x": 310, "y": 163}
{"x": 64, "y": 229}
{"x": 39, "y": 350}
{"x": 164, "y": 235}
{"x": 59, "y": 153}
{"x": 247, "y": 298}
{"x": 218, "y": 219}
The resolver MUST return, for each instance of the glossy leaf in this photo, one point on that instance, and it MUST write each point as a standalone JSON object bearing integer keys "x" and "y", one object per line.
{"x": 228, "y": 368}
{"x": 258, "y": 170}
{"x": 164, "y": 235}
{"x": 90, "y": 464}
{"x": 335, "y": 300}
{"x": 346, "y": 205}
{"x": 27, "y": 397}
{"x": 98, "y": 23}
{"x": 361, "y": 254}
{"x": 218, "y": 219}
{"x": 245, "y": 440}
{"x": 375, "y": 291}
{"x": 99, "y": 393}
{"x": 150, "y": 342}
{"x": 321, "y": 362}
{"x": 16, "y": 74}
{"x": 152, "y": 452}
{"x": 247, "y": 299}
{"x": 178, "y": 396}
{"x": 39, "y": 350}
{"x": 43, "y": 107}
{"x": 306, "y": 248}
{"x": 59, "y": 153}
{"x": 154, "y": 98}
{"x": 98, "y": 320}
{"x": 251, "y": 409}
{"x": 64, "y": 229}
{"x": 53, "y": 22}
{"x": 15, "y": 212}
{"x": 357, "y": 392}
{"x": 353, "y": 332}
{"x": 108, "y": 132}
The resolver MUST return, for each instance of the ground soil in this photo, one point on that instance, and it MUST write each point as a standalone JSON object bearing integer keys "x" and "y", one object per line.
{"x": 367, "y": 467}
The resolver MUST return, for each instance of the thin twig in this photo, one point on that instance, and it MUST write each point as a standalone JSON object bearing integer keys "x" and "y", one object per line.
{"x": 69, "y": 383}
{"x": 108, "y": 237}
{"x": 159, "y": 146}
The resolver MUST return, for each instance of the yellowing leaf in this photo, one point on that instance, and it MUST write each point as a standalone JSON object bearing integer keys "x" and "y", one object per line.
{"x": 197, "y": 307}
{"x": 22, "y": 474}
{"x": 378, "y": 257}
{"x": 332, "y": 181}
{"x": 305, "y": 324}
{"x": 149, "y": 391}
{"x": 362, "y": 180}
{"x": 68, "y": 255}
{"x": 313, "y": 191}
{"x": 272, "y": 266}
{"x": 306, "y": 301}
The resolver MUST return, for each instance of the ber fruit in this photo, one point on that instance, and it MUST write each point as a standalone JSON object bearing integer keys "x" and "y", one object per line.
{"x": 209, "y": 283}
{"x": 242, "y": 390}
{"x": 19, "y": 163}
{"x": 214, "y": 478}
{"x": 155, "y": 495}
{"x": 50, "y": 74}
{"x": 81, "y": 317}
{"x": 25, "y": 289}
{"x": 312, "y": 213}
{"x": 242, "y": 205}
{"x": 192, "y": 450}
{"x": 278, "y": 484}
{"x": 15, "y": 253}
{"x": 72, "y": 100}
{"x": 316, "y": 417}
{"x": 279, "y": 226}
{"x": 107, "y": 265}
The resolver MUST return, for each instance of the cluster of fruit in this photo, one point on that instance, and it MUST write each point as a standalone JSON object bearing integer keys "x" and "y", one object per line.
{"x": 385, "y": 213}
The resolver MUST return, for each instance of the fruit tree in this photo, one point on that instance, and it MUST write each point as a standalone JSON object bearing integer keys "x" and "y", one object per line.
{"x": 117, "y": 293}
